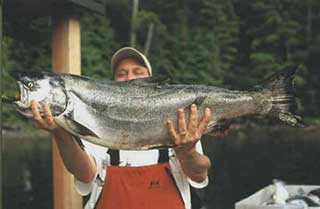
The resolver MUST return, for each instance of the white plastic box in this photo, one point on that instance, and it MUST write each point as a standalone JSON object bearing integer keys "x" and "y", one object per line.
{"x": 256, "y": 200}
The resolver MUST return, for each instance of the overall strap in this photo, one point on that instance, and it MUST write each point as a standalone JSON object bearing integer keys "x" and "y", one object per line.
{"x": 163, "y": 156}
{"x": 115, "y": 157}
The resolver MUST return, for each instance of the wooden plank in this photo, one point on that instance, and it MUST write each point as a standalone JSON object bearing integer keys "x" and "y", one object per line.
{"x": 98, "y": 6}
{"x": 65, "y": 58}
{"x": 41, "y": 8}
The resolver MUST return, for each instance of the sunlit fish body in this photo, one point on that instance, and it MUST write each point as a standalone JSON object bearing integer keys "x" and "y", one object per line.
{"x": 132, "y": 115}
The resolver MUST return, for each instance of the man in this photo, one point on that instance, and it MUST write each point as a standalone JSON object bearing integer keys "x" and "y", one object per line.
{"x": 135, "y": 179}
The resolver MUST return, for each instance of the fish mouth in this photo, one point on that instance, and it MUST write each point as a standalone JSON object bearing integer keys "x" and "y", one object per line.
{"x": 22, "y": 100}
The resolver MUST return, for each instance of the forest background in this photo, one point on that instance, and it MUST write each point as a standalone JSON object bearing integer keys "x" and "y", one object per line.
{"x": 231, "y": 43}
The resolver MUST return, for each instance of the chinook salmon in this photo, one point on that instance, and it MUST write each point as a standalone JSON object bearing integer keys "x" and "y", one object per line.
{"x": 132, "y": 115}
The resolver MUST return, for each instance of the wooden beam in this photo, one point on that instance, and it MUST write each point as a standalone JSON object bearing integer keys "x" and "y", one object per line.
{"x": 65, "y": 58}
{"x": 44, "y": 8}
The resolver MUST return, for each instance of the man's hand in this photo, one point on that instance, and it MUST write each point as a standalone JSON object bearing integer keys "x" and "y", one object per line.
{"x": 46, "y": 121}
{"x": 75, "y": 159}
{"x": 186, "y": 137}
{"x": 194, "y": 164}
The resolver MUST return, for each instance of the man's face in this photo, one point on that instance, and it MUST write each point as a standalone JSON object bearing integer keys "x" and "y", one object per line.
{"x": 129, "y": 69}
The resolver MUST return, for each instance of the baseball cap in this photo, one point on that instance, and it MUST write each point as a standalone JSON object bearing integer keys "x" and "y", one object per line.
{"x": 129, "y": 52}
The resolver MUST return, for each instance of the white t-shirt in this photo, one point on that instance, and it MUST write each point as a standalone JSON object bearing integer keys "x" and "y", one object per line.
{"x": 134, "y": 158}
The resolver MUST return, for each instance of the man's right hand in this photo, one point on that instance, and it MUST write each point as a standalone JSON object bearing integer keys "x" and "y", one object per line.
{"x": 75, "y": 159}
{"x": 46, "y": 121}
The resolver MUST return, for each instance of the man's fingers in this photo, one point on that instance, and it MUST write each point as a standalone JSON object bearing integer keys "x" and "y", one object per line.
{"x": 188, "y": 137}
{"x": 35, "y": 111}
{"x": 172, "y": 131}
{"x": 45, "y": 122}
{"x": 46, "y": 110}
{"x": 47, "y": 114}
{"x": 205, "y": 120}
{"x": 182, "y": 122}
{"x": 193, "y": 120}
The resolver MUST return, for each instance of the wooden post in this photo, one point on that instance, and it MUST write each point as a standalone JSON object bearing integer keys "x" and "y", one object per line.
{"x": 65, "y": 58}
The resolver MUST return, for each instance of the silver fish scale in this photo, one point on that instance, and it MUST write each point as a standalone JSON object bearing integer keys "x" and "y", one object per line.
{"x": 132, "y": 115}
{"x": 132, "y": 120}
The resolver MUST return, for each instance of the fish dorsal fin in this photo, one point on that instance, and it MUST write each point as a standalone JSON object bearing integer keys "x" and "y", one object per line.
{"x": 78, "y": 140}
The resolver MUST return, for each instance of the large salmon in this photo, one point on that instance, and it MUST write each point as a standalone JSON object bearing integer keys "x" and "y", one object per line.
{"x": 132, "y": 115}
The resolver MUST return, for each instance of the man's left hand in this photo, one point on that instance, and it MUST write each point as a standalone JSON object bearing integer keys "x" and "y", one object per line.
{"x": 186, "y": 137}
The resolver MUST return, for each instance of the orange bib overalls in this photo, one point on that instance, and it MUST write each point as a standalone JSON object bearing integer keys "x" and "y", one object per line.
{"x": 144, "y": 187}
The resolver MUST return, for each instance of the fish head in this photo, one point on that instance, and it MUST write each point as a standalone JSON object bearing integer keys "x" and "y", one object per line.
{"x": 42, "y": 87}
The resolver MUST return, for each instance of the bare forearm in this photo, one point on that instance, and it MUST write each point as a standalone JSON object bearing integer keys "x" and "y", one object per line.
{"x": 195, "y": 165}
{"x": 76, "y": 160}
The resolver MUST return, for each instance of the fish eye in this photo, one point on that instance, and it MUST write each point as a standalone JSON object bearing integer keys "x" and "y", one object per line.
{"x": 30, "y": 84}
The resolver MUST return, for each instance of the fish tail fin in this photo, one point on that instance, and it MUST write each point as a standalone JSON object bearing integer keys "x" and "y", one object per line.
{"x": 283, "y": 99}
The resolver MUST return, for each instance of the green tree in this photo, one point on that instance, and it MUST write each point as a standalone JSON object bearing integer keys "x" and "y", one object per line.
{"x": 97, "y": 46}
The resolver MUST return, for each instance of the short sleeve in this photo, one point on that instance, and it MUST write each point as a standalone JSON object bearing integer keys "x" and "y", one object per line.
{"x": 99, "y": 155}
{"x": 199, "y": 185}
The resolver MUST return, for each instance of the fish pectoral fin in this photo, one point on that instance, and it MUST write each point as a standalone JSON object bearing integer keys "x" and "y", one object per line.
{"x": 78, "y": 140}
{"x": 80, "y": 129}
